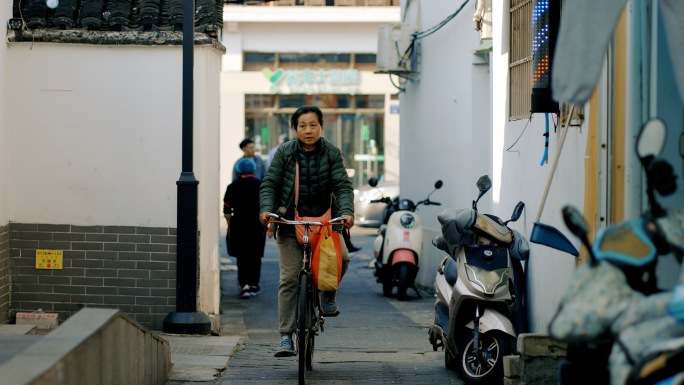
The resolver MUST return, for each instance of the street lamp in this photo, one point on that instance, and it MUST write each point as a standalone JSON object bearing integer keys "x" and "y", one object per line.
{"x": 186, "y": 319}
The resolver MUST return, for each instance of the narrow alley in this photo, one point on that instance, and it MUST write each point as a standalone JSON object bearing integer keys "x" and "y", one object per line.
{"x": 374, "y": 340}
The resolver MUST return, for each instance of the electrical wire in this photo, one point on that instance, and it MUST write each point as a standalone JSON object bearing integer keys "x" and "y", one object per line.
{"x": 423, "y": 34}
{"x": 25, "y": 26}
{"x": 401, "y": 89}
{"x": 521, "y": 134}
{"x": 430, "y": 31}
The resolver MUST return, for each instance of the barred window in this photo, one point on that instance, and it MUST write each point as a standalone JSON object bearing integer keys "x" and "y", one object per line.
{"x": 520, "y": 59}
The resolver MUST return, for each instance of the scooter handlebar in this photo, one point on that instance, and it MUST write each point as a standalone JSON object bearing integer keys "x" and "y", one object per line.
{"x": 381, "y": 200}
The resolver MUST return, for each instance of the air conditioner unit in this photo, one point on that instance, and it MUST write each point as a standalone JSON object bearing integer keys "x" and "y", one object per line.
{"x": 393, "y": 41}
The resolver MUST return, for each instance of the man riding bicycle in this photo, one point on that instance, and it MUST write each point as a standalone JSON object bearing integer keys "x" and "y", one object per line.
{"x": 323, "y": 184}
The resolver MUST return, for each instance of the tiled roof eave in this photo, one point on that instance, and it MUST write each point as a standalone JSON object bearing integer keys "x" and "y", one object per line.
{"x": 157, "y": 38}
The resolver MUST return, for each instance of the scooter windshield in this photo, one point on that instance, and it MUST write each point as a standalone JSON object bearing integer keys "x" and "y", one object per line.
{"x": 488, "y": 280}
{"x": 487, "y": 267}
{"x": 626, "y": 243}
{"x": 406, "y": 204}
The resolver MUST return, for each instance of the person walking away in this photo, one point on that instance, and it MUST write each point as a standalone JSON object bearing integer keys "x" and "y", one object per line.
{"x": 282, "y": 138}
{"x": 323, "y": 185}
{"x": 245, "y": 236}
{"x": 249, "y": 151}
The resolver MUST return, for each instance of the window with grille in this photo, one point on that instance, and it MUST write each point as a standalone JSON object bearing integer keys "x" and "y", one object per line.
{"x": 520, "y": 59}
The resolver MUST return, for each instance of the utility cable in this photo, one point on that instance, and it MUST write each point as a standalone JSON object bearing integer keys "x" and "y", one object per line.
{"x": 423, "y": 34}
{"x": 398, "y": 87}
{"x": 521, "y": 134}
{"x": 430, "y": 31}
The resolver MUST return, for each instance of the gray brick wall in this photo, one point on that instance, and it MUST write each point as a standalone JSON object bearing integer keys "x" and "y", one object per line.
{"x": 4, "y": 274}
{"x": 129, "y": 268}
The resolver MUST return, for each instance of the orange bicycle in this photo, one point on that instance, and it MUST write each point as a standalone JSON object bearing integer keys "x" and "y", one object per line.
{"x": 309, "y": 318}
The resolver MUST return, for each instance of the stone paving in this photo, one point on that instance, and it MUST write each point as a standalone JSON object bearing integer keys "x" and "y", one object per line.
{"x": 375, "y": 340}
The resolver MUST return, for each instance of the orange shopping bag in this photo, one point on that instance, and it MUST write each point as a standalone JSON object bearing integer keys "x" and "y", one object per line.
{"x": 326, "y": 263}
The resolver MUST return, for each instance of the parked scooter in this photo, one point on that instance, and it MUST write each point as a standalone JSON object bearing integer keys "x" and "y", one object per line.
{"x": 615, "y": 333}
{"x": 619, "y": 326}
{"x": 479, "y": 287}
{"x": 399, "y": 243}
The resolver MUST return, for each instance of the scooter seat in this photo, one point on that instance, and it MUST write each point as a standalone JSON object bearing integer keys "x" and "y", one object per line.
{"x": 450, "y": 271}
{"x": 491, "y": 228}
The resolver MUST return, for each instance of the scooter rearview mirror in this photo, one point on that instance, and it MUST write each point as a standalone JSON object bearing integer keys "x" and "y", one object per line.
{"x": 575, "y": 222}
{"x": 373, "y": 182}
{"x": 438, "y": 185}
{"x": 578, "y": 226}
{"x": 659, "y": 173}
{"x": 517, "y": 212}
{"x": 651, "y": 139}
{"x": 484, "y": 184}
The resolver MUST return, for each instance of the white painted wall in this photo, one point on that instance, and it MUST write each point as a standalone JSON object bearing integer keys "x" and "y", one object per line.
{"x": 444, "y": 120}
{"x": 522, "y": 177}
{"x": 95, "y": 135}
{"x": 93, "y": 143}
{"x": 454, "y": 126}
{"x": 5, "y": 14}
{"x": 310, "y": 37}
{"x": 206, "y": 164}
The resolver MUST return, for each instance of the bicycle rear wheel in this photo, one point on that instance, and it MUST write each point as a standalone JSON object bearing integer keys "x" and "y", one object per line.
{"x": 303, "y": 322}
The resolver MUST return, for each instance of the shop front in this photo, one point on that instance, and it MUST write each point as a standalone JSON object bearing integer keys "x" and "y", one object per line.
{"x": 354, "y": 119}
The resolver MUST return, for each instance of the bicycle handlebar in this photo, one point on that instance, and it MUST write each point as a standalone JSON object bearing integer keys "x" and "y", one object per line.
{"x": 278, "y": 219}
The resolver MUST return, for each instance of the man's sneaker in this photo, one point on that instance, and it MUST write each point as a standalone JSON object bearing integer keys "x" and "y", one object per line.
{"x": 286, "y": 347}
{"x": 245, "y": 293}
{"x": 254, "y": 290}
{"x": 328, "y": 304}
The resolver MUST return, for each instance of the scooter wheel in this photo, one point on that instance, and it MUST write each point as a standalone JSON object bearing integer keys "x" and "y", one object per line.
{"x": 485, "y": 366}
{"x": 402, "y": 281}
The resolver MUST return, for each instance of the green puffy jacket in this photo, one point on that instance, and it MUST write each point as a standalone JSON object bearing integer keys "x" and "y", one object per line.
{"x": 277, "y": 188}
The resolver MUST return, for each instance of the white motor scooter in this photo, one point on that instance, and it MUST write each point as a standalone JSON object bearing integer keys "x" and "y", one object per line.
{"x": 478, "y": 299}
{"x": 399, "y": 243}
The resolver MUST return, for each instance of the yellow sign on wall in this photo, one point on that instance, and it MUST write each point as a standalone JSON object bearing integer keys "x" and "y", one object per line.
{"x": 49, "y": 259}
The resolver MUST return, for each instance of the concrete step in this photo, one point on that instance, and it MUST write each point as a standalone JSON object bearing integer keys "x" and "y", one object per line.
{"x": 14, "y": 330}
{"x": 94, "y": 346}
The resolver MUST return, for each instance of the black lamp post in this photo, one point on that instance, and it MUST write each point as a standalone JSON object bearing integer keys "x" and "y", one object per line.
{"x": 186, "y": 319}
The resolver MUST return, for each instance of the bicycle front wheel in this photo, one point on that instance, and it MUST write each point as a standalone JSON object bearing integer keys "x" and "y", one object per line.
{"x": 303, "y": 323}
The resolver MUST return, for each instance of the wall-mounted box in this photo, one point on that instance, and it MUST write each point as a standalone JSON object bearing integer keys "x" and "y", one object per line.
{"x": 393, "y": 54}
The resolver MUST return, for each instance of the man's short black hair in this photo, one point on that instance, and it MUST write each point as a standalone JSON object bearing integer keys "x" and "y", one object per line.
{"x": 245, "y": 142}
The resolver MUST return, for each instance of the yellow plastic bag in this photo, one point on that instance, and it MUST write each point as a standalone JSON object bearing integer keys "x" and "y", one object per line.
{"x": 326, "y": 263}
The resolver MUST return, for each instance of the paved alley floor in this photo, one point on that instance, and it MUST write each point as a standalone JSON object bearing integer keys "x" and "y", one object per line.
{"x": 375, "y": 340}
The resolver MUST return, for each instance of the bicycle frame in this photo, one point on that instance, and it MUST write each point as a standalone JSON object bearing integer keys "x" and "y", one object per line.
{"x": 309, "y": 319}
